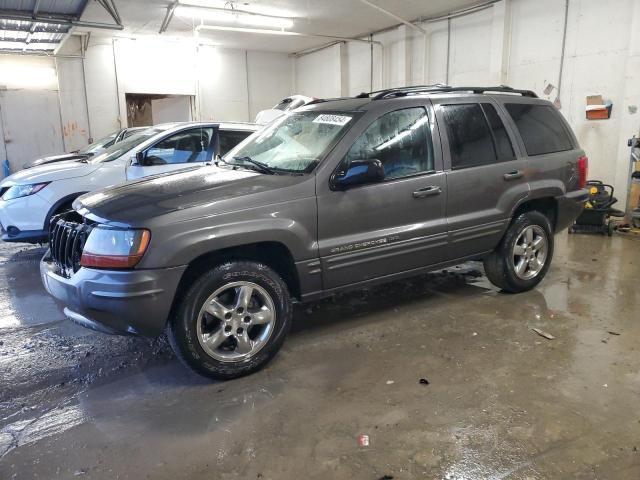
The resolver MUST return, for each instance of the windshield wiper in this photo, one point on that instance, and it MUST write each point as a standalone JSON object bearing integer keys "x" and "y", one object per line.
{"x": 261, "y": 167}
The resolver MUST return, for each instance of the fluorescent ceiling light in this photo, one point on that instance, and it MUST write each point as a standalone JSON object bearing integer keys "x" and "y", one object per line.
{"x": 238, "y": 17}
{"x": 247, "y": 30}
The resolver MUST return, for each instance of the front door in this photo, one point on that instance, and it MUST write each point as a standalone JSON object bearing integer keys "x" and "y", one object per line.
{"x": 395, "y": 225}
{"x": 486, "y": 177}
{"x": 183, "y": 149}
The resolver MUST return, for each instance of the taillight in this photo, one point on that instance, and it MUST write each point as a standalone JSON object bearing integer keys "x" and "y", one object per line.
{"x": 583, "y": 170}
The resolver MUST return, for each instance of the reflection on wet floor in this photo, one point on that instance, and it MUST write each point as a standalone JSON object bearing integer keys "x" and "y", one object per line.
{"x": 502, "y": 402}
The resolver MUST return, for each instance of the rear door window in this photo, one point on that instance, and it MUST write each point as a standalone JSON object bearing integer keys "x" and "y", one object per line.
{"x": 540, "y": 127}
{"x": 504, "y": 149}
{"x": 470, "y": 140}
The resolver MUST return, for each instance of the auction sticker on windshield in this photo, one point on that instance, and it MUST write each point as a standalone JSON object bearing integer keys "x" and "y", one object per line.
{"x": 332, "y": 119}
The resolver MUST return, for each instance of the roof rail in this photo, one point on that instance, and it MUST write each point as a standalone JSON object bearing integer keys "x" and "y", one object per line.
{"x": 440, "y": 88}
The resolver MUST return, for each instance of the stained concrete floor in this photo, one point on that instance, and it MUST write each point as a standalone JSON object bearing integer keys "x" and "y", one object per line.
{"x": 502, "y": 402}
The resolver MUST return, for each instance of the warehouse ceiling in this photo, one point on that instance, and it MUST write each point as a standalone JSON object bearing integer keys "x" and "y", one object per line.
{"x": 339, "y": 18}
{"x": 32, "y": 26}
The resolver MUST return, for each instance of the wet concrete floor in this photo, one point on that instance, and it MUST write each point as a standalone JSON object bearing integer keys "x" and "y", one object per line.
{"x": 502, "y": 402}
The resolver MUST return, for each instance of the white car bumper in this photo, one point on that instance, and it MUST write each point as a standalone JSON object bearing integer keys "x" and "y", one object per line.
{"x": 23, "y": 219}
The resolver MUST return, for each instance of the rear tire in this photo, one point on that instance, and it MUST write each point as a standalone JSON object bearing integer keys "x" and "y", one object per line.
{"x": 232, "y": 320}
{"x": 524, "y": 254}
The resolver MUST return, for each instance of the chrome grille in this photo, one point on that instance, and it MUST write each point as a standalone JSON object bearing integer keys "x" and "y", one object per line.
{"x": 66, "y": 242}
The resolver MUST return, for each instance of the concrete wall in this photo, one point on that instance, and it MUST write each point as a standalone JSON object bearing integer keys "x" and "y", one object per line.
{"x": 518, "y": 43}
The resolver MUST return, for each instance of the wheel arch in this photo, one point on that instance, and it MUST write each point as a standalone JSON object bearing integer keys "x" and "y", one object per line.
{"x": 56, "y": 206}
{"x": 547, "y": 205}
{"x": 274, "y": 254}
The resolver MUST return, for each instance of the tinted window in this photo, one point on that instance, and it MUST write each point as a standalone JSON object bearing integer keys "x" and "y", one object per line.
{"x": 540, "y": 127}
{"x": 470, "y": 140}
{"x": 400, "y": 140}
{"x": 504, "y": 149}
{"x": 228, "y": 139}
{"x": 182, "y": 147}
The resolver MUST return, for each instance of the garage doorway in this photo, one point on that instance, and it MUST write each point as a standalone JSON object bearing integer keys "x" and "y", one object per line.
{"x": 145, "y": 109}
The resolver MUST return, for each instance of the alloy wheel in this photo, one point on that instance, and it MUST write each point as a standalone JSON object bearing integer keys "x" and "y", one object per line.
{"x": 236, "y": 321}
{"x": 530, "y": 252}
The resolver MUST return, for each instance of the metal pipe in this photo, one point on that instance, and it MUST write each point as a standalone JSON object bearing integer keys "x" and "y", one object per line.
{"x": 230, "y": 10}
{"x": 564, "y": 42}
{"x": 83, "y": 50}
{"x": 455, "y": 14}
{"x": 448, "y": 50}
{"x": 394, "y": 16}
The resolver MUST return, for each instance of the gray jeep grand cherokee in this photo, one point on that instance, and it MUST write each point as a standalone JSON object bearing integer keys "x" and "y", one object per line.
{"x": 339, "y": 194}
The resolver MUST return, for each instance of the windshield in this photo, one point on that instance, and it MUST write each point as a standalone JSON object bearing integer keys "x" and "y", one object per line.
{"x": 100, "y": 144}
{"x": 293, "y": 143}
{"x": 120, "y": 148}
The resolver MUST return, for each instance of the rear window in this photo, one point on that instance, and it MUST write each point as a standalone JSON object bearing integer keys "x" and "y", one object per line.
{"x": 540, "y": 127}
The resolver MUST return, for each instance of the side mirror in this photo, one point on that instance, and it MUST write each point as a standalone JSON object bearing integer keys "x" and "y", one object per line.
{"x": 359, "y": 172}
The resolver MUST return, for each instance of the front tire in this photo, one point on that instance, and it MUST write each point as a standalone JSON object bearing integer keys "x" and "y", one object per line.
{"x": 232, "y": 320}
{"x": 523, "y": 257}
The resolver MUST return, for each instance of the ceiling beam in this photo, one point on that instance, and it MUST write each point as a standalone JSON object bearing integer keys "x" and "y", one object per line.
{"x": 111, "y": 9}
{"x": 394, "y": 16}
{"x": 32, "y": 40}
{"x": 62, "y": 20}
{"x": 168, "y": 16}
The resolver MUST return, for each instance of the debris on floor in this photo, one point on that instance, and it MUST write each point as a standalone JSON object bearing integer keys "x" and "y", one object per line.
{"x": 363, "y": 440}
{"x": 611, "y": 332}
{"x": 390, "y": 382}
{"x": 424, "y": 381}
{"x": 542, "y": 333}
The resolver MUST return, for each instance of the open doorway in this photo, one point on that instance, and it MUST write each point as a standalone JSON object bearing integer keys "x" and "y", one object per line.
{"x": 145, "y": 109}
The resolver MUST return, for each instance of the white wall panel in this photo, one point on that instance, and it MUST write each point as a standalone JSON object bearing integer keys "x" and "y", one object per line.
{"x": 222, "y": 89}
{"x": 319, "y": 74}
{"x": 270, "y": 80}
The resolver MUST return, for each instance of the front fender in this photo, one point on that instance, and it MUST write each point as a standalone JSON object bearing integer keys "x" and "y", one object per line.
{"x": 292, "y": 224}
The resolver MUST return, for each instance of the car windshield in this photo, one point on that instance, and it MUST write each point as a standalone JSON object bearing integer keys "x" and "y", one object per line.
{"x": 120, "y": 148}
{"x": 100, "y": 144}
{"x": 294, "y": 143}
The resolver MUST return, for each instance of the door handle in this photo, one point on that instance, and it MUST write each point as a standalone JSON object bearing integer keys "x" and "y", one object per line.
{"x": 427, "y": 191}
{"x": 516, "y": 174}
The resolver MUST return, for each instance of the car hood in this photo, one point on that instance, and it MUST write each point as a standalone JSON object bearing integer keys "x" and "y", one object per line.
{"x": 50, "y": 173}
{"x": 207, "y": 189}
{"x": 55, "y": 158}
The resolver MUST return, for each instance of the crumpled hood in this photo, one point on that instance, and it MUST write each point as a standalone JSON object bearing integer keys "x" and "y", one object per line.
{"x": 201, "y": 190}
{"x": 50, "y": 173}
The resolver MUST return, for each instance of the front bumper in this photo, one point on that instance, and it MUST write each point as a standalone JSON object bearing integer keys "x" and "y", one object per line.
{"x": 570, "y": 206}
{"x": 128, "y": 302}
{"x": 23, "y": 219}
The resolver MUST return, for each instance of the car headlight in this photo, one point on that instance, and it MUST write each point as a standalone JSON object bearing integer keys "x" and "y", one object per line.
{"x": 17, "y": 191}
{"x": 114, "y": 248}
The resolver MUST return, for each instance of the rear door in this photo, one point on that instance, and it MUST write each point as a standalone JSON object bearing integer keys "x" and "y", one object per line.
{"x": 486, "y": 174}
{"x": 179, "y": 150}
{"x": 379, "y": 229}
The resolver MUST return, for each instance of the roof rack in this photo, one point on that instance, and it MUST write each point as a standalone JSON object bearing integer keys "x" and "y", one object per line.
{"x": 439, "y": 88}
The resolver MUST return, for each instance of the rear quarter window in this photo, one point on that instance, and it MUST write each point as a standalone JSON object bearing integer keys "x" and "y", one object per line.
{"x": 541, "y": 128}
